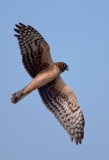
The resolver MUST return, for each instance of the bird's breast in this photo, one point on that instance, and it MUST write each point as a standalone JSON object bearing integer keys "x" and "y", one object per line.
{"x": 43, "y": 78}
{"x": 47, "y": 76}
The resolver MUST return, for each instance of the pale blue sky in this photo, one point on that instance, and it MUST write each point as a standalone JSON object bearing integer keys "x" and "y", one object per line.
{"x": 78, "y": 34}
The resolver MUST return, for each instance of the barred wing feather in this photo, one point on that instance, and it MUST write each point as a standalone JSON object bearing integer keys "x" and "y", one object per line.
{"x": 61, "y": 101}
{"x": 35, "y": 50}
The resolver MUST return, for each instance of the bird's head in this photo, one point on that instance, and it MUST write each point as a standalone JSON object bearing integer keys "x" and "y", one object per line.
{"x": 62, "y": 66}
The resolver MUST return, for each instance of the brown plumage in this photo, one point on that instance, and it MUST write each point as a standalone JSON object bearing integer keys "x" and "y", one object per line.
{"x": 55, "y": 94}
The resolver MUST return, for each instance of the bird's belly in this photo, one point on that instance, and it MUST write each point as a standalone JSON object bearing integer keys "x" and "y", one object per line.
{"x": 42, "y": 79}
{"x": 45, "y": 78}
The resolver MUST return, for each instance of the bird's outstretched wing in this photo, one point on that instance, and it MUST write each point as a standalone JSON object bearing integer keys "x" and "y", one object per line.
{"x": 35, "y": 50}
{"x": 61, "y": 101}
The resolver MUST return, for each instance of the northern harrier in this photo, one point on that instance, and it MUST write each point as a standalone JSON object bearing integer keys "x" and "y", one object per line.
{"x": 55, "y": 94}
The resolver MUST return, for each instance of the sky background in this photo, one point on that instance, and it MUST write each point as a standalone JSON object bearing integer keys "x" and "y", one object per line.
{"x": 78, "y": 34}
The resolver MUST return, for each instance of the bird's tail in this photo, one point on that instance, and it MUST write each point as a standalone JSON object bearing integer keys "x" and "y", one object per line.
{"x": 16, "y": 97}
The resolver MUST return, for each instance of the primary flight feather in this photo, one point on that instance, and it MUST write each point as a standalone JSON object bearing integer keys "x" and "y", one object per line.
{"x": 55, "y": 94}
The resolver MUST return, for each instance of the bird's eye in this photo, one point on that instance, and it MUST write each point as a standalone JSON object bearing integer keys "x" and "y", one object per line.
{"x": 64, "y": 66}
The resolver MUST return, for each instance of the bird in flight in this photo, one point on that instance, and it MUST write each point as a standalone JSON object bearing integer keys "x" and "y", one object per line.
{"x": 55, "y": 94}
